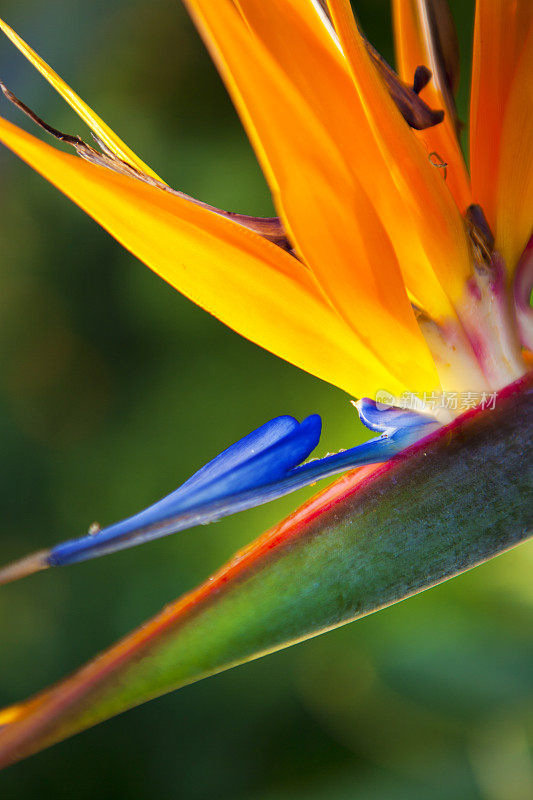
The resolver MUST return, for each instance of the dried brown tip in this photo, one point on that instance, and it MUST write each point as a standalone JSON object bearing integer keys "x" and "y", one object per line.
{"x": 270, "y": 228}
{"x": 24, "y": 567}
{"x": 481, "y": 236}
{"x": 75, "y": 141}
{"x": 415, "y": 112}
{"x": 421, "y": 78}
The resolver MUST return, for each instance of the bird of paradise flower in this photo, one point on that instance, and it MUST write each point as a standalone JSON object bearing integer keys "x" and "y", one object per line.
{"x": 388, "y": 268}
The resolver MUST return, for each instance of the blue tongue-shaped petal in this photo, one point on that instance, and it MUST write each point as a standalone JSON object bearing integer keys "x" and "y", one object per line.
{"x": 262, "y": 458}
{"x": 234, "y": 458}
{"x": 264, "y": 465}
{"x": 255, "y": 442}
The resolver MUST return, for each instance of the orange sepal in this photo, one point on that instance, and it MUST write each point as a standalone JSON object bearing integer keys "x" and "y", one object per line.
{"x": 249, "y": 283}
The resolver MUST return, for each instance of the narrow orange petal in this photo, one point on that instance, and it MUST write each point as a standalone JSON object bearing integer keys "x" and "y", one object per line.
{"x": 423, "y": 221}
{"x": 413, "y": 48}
{"x": 313, "y": 71}
{"x": 514, "y": 183}
{"x": 247, "y": 282}
{"x": 500, "y": 35}
{"x": 328, "y": 214}
{"x": 317, "y": 23}
{"x": 97, "y": 125}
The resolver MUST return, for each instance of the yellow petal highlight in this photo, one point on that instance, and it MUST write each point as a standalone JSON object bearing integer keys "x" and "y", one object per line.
{"x": 414, "y": 48}
{"x": 328, "y": 214}
{"x": 501, "y": 119}
{"x": 247, "y": 282}
{"x": 10, "y": 714}
{"x": 423, "y": 221}
{"x": 97, "y": 125}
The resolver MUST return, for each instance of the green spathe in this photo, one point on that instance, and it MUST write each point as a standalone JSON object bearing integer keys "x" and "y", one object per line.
{"x": 450, "y": 502}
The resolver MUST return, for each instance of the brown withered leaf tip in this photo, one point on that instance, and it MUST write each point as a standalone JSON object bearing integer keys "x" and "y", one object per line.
{"x": 421, "y": 78}
{"x": 270, "y": 228}
{"x": 413, "y": 109}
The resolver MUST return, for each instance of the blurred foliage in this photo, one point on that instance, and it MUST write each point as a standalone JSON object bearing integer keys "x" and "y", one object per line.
{"x": 113, "y": 389}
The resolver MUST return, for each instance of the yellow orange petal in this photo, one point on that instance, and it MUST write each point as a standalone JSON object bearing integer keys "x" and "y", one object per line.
{"x": 416, "y": 210}
{"x": 423, "y": 221}
{"x": 414, "y": 47}
{"x": 247, "y": 282}
{"x": 514, "y": 178}
{"x": 328, "y": 214}
{"x": 97, "y": 125}
{"x": 501, "y": 74}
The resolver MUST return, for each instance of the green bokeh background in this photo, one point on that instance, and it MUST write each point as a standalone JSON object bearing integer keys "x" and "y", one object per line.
{"x": 113, "y": 389}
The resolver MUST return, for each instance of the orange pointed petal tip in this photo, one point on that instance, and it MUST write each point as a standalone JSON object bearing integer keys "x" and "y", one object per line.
{"x": 247, "y": 282}
{"x": 97, "y": 125}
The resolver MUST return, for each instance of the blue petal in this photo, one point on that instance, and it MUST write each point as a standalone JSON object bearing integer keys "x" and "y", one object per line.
{"x": 264, "y": 465}
{"x": 262, "y": 457}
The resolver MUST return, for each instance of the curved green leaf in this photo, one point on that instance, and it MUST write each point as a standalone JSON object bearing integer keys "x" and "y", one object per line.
{"x": 453, "y": 500}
